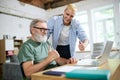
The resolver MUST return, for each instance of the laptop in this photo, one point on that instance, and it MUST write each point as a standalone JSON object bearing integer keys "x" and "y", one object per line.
{"x": 100, "y": 59}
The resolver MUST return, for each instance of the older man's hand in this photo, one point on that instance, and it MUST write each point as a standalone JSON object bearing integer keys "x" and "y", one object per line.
{"x": 52, "y": 55}
{"x": 72, "y": 61}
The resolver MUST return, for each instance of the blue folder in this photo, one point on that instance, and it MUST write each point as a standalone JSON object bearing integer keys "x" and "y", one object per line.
{"x": 55, "y": 73}
{"x": 89, "y": 74}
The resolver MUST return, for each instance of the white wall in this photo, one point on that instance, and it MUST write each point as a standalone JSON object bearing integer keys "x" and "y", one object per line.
{"x": 17, "y": 18}
{"x": 56, "y": 11}
{"x": 14, "y": 26}
{"x": 21, "y": 9}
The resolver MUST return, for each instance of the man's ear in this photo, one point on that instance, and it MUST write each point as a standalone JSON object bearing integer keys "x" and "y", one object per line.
{"x": 32, "y": 30}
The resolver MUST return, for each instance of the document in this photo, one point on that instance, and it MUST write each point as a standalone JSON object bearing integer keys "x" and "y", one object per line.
{"x": 68, "y": 68}
{"x": 88, "y": 62}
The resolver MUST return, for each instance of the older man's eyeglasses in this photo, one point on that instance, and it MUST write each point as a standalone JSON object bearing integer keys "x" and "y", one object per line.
{"x": 42, "y": 29}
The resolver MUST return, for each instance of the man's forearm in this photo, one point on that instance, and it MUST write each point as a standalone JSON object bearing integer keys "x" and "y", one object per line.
{"x": 30, "y": 68}
{"x": 61, "y": 61}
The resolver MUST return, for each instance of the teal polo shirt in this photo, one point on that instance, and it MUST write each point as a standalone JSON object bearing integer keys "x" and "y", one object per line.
{"x": 35, "y": 51}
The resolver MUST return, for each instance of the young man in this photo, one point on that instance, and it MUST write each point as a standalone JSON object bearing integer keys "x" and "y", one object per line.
{"x": 65, "y": 30}
{"x": 36, "y": 54}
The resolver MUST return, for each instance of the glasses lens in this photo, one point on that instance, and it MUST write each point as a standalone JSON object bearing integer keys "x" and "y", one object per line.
{"x": 42, "y": 29}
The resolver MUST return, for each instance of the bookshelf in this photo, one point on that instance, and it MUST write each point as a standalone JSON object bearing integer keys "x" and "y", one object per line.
{"x": 18, "y": 43}
{"x": 6, "y": 49}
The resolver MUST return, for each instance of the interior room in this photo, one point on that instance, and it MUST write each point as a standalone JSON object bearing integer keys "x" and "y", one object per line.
{"x": 99, "y": 18}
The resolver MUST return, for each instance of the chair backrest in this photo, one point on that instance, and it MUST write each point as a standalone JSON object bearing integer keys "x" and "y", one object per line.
{"x": 97, "y": 49}
{"x": 13, "y": 70}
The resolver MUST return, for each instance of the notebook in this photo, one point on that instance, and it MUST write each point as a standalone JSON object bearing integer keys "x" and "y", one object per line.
{"x": 100, "y": 60}
{"x": 89, "y": 74}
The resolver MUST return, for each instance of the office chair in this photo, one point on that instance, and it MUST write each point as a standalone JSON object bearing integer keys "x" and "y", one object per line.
{"x": 13, "y": 70}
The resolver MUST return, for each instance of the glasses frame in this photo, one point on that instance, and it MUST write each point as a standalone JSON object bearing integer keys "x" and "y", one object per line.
{"x": 41, "y": 29}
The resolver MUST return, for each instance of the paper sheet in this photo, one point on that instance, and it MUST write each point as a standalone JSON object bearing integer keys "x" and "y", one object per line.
{"x": 68, "y": 68}
{"x": 87, "y": 62}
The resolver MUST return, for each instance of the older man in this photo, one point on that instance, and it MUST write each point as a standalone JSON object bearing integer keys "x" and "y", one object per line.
{"x": 36, "y": 54}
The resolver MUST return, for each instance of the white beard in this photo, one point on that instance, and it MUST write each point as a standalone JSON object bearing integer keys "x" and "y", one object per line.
{"x": 40, "y": 38}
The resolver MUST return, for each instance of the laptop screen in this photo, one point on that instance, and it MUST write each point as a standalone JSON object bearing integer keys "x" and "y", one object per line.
{"x": 106, "y": 51}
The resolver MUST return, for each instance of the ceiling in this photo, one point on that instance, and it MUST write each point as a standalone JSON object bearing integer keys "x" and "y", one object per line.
{"x": 49, "y": 4}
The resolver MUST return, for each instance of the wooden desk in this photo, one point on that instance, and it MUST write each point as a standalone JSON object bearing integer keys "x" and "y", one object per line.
{"x": 112, "y": 64}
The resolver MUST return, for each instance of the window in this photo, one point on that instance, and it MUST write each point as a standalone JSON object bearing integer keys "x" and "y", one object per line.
{"x": 83, "y": 18}
{"x": 118, "y": 33}
{"x": 99, "y": 25}
{"x": 103, "y": 20}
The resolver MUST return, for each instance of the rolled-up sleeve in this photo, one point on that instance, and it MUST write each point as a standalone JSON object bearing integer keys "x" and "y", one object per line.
{"x": 50, "y": 24}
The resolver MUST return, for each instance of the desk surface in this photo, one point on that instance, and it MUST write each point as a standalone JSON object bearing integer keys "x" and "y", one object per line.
{"x": 112, "y": 64}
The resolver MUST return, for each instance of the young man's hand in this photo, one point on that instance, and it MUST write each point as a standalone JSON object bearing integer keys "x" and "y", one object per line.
{"x": 83, "y": 45}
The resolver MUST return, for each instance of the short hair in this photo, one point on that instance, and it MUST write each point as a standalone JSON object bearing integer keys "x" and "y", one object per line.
{"x": 71, "y": 7}
{"x": 35, "y": 21}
